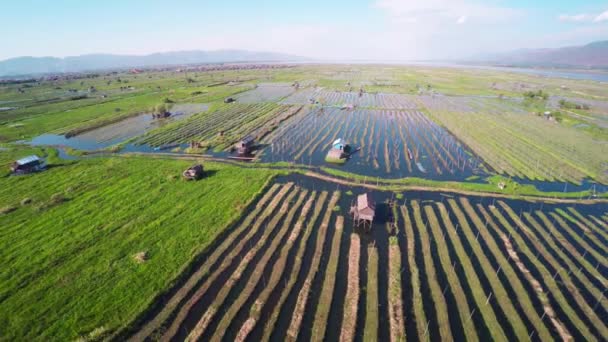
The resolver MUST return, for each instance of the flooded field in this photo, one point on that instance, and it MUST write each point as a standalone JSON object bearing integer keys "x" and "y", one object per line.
{"x": 119, "y": 132}
{"x": 393, "y": 143}
{"x": 338, "y": 98}
{"x": 433, "y": 266}
{"x": 266, "y": 92}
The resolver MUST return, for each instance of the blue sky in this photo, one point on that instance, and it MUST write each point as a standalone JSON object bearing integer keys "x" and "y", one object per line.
{"x": 355, "y": 29}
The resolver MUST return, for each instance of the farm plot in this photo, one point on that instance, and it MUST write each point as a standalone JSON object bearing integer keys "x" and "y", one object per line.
{"x": 266, "y": 92}
{"x": 120, "y": 131}
{"x": 338, "y": 98}
{"x": 393, "y": 143}
{"x": 433, "y": 267}
{"x": 223, "y": 126}
{"x": 471, "y": 104}
{"x": 525, "y": 146}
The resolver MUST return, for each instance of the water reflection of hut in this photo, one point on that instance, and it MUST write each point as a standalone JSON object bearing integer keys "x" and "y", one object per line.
{"x": 28, "y": 165}
{"x": 245, "y": 145}
{"x": 194, "y": 172}
{"x": 363, "y": 210}
{"x": 339, "y": 152}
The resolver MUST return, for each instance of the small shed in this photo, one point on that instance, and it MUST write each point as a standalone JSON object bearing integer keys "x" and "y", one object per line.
{"x": 194, "y": 172}
{"x": 28, "y": 164}
{"x": 363, "y": 210}
{"x": 245, "y": 145}
{"x": 340, "y": 145}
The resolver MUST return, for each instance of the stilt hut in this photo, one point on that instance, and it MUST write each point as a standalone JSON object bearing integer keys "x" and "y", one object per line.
{"x": 194, "y": 172}
{"x": 363, "y": 211}
{"x": 245, "y": 146}
{"x": 28, "y": 164}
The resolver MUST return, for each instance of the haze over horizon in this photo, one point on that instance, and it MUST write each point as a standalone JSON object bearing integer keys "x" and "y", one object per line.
{"x": 347, "y": 30}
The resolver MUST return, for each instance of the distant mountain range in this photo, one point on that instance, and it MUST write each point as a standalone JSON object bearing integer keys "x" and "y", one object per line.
{"x": 45, "y": 65}
{"x": 593, "y": 56}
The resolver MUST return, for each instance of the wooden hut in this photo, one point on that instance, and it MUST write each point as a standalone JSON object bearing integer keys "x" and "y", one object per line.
{"x": 245, "y": 146}
{"x": 28, "y": 164}
{"x": 363, "y": 210}
{"x": 194, "y": 172}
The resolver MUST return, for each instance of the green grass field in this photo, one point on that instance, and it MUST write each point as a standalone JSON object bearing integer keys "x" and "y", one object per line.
{"x": 68, "y": 255}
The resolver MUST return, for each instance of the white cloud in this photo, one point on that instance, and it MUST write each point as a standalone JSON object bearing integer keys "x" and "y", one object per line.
{"x": 584, "y": 18}
{"x": 575, "y": 17}
{"x": 601, "y": 17}
{"x": 458, "y": 11}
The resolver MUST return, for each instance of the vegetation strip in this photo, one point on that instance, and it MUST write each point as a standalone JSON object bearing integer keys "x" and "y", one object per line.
{"x": 587, "y": 232}
{"x": 453, "y": 282}
{"x": 521, "y": 294}
{"x": 170, "y": 306}
{"x": 277, "y": 271}
{"x": 351, "y": 302}
{"x": 580, "y": 240}
{"x": 565, "y": 278}
{"x": 596, "y": 293}
{"x": 418, "y": 309}
{"x": 477, "y": 289}
{"x": 498, "y": 291}
{"x": 209, "y": 314}
{"x": 185, "y": 309}
{"x": 395, "y": 301}
{"x": 269, "y": 326}
{"x": 576, "y": 255}
{"x": 298, "y": 314}
{"x": 546, "y": 277}
{"x": 329, "y": 282}
{"x": 370, "y": 332}
{"x": 277, "y": 246}
{"x": 536, "y": 285}
{"x": 443, "y": 321}
{"x": 596, "y": 230}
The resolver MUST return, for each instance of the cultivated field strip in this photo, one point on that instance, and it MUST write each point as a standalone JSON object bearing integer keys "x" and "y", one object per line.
{"x": 338, "y": 98}
{"x": 222, "y": 126}
{"x": 520, "y": 144}
{"x": 392, "y": 142}
{"x": 476, "y": 269}
{"x": 268, "y": 92}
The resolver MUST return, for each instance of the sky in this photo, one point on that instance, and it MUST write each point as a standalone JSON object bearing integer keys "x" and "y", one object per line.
{"x": 323, "y": 29}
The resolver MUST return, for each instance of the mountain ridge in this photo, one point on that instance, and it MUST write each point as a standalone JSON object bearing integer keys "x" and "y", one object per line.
{"x": 28, "y": 65}
{"x": 592, "y": 55}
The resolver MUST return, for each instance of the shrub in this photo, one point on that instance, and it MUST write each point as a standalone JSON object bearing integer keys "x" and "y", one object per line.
{"x": 57, "y": 198}
{"x": 141, "y": 257}
{"x": 7, "y": 209}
